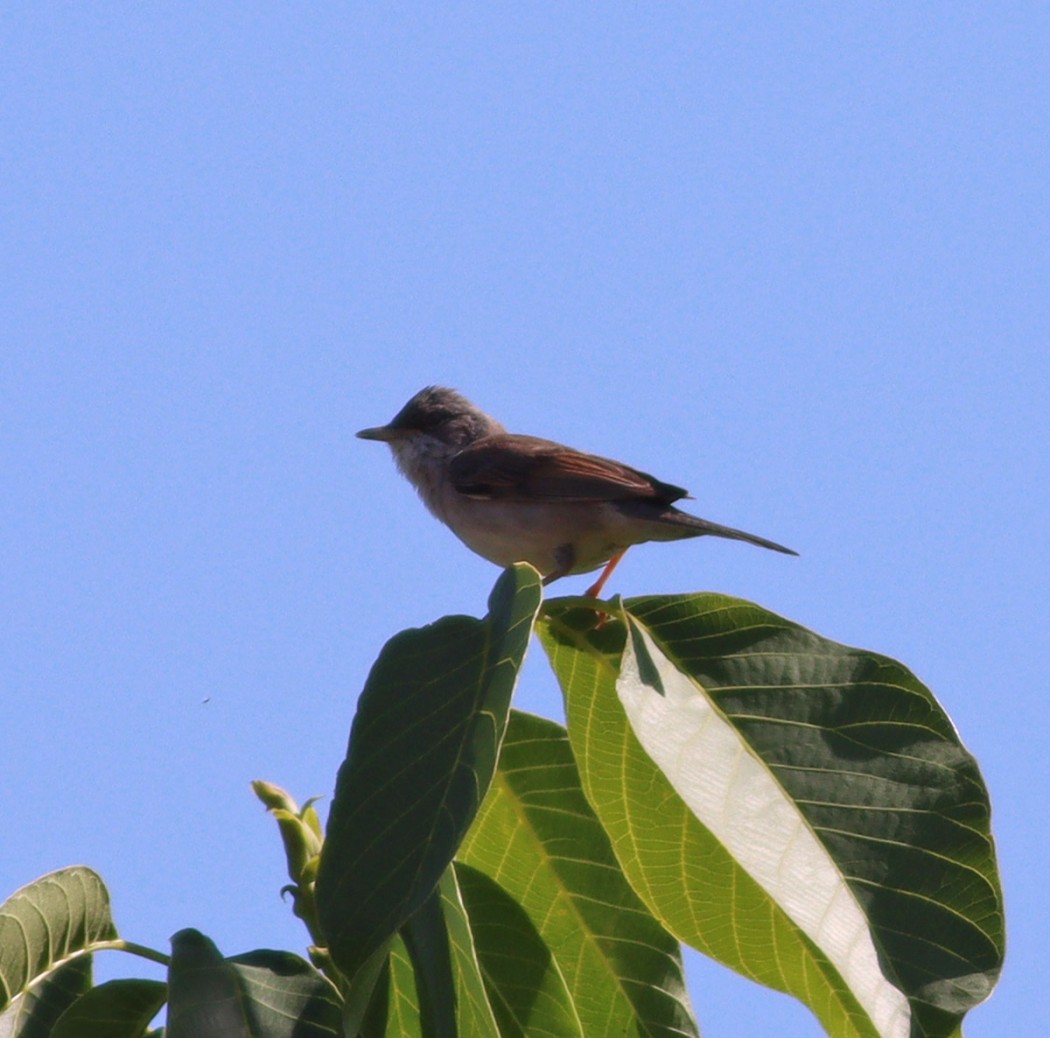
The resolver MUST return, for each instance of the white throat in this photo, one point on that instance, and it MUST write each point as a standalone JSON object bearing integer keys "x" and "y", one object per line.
{"x": 424, "y": 460}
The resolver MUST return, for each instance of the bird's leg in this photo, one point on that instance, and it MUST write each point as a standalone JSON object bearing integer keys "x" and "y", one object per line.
{"x": 564, "y": 560}
{"x": 596, "y": 588}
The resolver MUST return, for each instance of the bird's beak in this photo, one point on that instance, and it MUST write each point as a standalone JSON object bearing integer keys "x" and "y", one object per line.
{"x": 386, "y": 433}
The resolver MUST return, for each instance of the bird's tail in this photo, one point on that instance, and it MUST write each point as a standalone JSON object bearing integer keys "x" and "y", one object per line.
{"x": 702, "y": 527}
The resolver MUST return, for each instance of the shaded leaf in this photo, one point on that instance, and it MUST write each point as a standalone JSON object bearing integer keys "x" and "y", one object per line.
{"x": 115, "y": 1009}
{"x": 49, "y": 920}
{"x": 364, "y": 993}
{"x": 204, "y": 998}
{"x": 426, "y": 939}
{"x": 526, "y": 989}
{"x": 261, "y": 994}
{"x": 286, "y": 996}
{"x": 538, "y": 837}
{"x": 422, "y": 751}
{"x": 836, "y": 844}
{"x": 34, "y": 1012}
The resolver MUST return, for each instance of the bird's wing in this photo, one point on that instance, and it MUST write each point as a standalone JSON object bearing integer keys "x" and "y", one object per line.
{"x": 525, "y": 468}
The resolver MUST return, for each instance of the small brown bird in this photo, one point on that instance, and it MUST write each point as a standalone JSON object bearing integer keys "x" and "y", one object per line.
{"x": 514, "y": 498}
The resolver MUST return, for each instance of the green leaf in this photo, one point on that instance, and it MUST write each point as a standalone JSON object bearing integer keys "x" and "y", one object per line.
{"x": 286, "y": 997}
{"x": 538, "y": 837}
{"x": 116, "y": 1009}
{"x": 365, "y": 995}
{"x": 34, "y": 1012}
{"x": 394, "y": 1012}
{"x": 204, "y": 998}
{"x": 403, "y": 1013}
{"x": 262, "y": 994}
{"x": 829, "y": 834}
{"x": 47, "y": 921}
{"x": 422, "y": 752}
{"x": 435, "y": 987}
{"x": 426, "y": 939}
{"x": 525, "y": 987}
{"x": 474, "y": 1016}
{"x": 476, "y": 968}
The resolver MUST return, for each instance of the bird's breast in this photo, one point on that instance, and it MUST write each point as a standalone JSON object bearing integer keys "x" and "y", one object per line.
{"x": 505, "y": 532}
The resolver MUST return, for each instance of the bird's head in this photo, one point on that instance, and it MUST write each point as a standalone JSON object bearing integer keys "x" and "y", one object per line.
{"x": 439, "y": 414}
{"x": 436, "y": 424}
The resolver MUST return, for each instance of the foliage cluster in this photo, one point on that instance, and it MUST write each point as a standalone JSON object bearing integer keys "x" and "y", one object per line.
{"x": 801, "y": 811}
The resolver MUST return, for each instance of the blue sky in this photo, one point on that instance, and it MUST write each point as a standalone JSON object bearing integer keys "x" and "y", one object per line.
{"x": 793, "y": 257}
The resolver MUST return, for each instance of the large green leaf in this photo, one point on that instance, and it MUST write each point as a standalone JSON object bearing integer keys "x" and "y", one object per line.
{"x": 47, "y": 921}
{"x": 827, "y": 832}
{"x": 422, "y": 752}
{"x": 116, "y": 1009}
{"x": 538, "y": 837}
{"x": 262, "y": 994}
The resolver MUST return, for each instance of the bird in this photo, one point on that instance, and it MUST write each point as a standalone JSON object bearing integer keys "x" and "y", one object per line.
{"x": 514, "y": 498}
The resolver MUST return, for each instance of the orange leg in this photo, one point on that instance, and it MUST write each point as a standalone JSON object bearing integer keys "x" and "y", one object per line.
{"x": 596, "y": 588}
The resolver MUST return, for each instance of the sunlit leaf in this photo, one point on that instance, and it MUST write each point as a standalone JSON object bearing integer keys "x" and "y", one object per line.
{"x": 538, "y": 837}
{"x": 474, "y": 1016}
{"x": 801, "y": 811}
{"x": 403, "y": 1013}
{"x": 394, "y": 1012}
